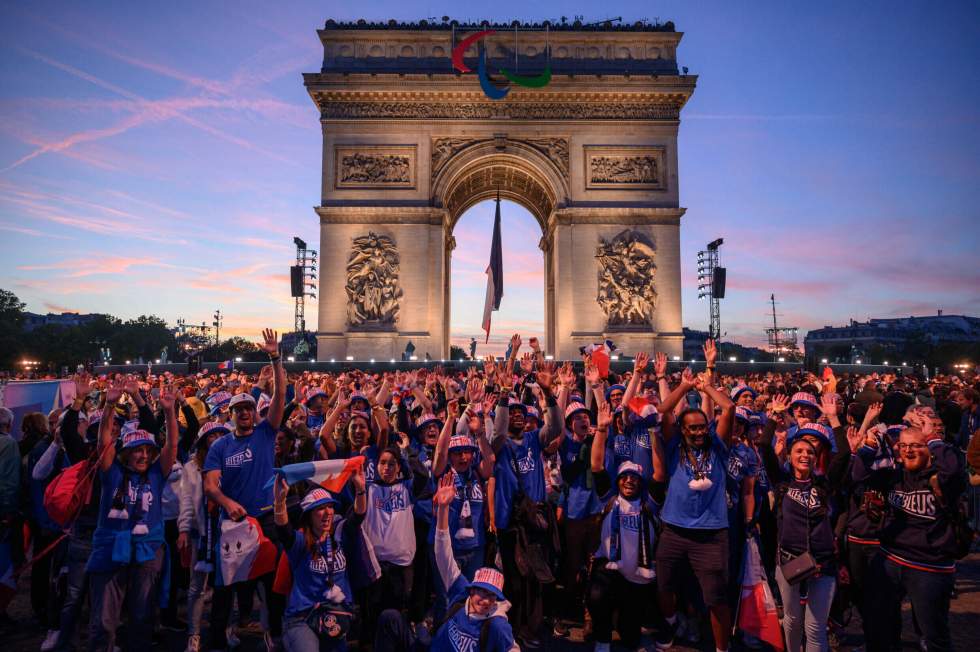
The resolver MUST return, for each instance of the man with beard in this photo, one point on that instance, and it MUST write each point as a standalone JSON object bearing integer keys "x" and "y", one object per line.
{"x": 695, "y": 513}
{"x": 236, "y": 470}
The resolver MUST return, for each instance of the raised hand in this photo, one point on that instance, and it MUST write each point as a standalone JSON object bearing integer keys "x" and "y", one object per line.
{"x": 710, "y": 352}
{"x": 117, "y": 386}
{"x": 535, "y": 345}
{"x": 82, "y": 385}
{"x": 168, "y": 396}
{"x": 780, "y": 402}
{"x": 132, "y": 386}
{"x": 545, "y": 376}
{"x": 515, "y": 344}
{"x": 604, "y": 418}
{"x": 660, "y": 364}
{"x": 452, "y": 409}
{"x": 591, "y": 373}
{"x": 566, "y": 375}
{"x": 446, "y": 492}
{"x": 271, "y": 342}
{"x": 687, "y": 376}
{"x": 640, "y": 362}
{"x": 854, "y": 438}
{"x": 828, "y": 405}
{"x": 872, "y": 414}
{"x": 358, "y": 480}
{"x": 489, "y": 366}
{"x": 527, "y": 363}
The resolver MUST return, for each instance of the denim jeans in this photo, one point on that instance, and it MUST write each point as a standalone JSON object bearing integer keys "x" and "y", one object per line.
{"x": 929, "y": 594}
{"x": 810, "y": 618}
{"x": 298, "y": 637}
{"x": 79, "y": 550}
{"x": 135, "y": 585}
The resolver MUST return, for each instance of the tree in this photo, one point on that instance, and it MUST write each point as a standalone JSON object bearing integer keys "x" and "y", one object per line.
{"x": 234, "y": 347}
{"x": 144, "y": 337}
{"x": 457, "y": 353}
{"x": 11, "y": 323}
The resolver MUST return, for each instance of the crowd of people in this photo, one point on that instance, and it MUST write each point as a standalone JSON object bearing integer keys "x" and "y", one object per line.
{"x": 491, "y": 507}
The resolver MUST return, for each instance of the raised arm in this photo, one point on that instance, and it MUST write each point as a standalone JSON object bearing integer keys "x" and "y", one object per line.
{"x": 604, "y": 420}
{"x": 552, "y": 428}
{"x": 726, "y": 420}
{"x": 441, "y": 457}
{"x": 445, "y": 562}
{"x": 639, "y": 366}
{"x": 271, "y": 346}
{"x": 112, "y": 395}
{"x": 168, "y": 399}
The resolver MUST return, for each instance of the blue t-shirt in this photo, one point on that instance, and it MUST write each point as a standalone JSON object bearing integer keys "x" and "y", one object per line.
{"x": 461, "y": 633}
{"x": 246, "y": 464}
{"x": 468, "y": 485}
{"x": 685, "y": 507}
{"x": 742, "y": 463}
{"x": 580, "y": 502}
{"x": 518, "y": 467}
{"x": 314, "y": 575}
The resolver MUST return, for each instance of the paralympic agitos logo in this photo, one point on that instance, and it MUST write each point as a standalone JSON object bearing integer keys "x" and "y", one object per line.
{"x": 489, "y": 89}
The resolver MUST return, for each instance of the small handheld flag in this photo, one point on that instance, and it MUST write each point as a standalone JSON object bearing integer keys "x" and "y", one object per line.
{"x": 227, "y": 365}
{"x": 332, "y": 475}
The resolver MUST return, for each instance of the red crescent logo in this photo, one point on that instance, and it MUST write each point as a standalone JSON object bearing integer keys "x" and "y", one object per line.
{"x": 465, "y": 43}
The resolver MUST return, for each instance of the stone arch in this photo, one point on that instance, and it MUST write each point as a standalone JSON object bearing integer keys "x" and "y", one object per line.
{"x": 521, "y": 172}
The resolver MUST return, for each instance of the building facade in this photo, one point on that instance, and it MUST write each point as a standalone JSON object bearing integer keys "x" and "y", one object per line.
{"x": 410, "y": 143}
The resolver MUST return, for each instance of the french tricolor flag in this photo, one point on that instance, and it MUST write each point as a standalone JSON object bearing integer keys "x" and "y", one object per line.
{"x": 332, "y": 475}
{"x": 227, "y": 365}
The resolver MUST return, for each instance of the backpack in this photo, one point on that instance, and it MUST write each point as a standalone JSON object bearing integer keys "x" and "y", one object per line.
{"x": 959, "y": 519}
{"x": 484, "y": 628}
{"x": 69, "y": 491}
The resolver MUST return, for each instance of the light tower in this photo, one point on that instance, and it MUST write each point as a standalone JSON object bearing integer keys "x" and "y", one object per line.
{"x": 711, "y": 285}
{"x": 302, "y": 280}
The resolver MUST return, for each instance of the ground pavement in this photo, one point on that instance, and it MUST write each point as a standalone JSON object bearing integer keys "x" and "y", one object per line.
{"x": 24, "y": 634}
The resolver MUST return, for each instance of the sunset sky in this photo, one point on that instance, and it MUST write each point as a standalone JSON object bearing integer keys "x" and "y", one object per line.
{"x": 159, "y": 158}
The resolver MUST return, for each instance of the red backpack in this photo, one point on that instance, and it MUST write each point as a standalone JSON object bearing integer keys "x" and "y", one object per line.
{"x": 69, "y": 491}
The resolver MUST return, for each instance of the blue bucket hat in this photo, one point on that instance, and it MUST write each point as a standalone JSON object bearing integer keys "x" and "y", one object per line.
{"x": 609, "y": 391}
{"x": 489, "y": 579}
{"x": 137, "y": 437}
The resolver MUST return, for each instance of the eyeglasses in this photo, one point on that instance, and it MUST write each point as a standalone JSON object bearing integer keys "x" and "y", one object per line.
{"x": 904, "y": 446}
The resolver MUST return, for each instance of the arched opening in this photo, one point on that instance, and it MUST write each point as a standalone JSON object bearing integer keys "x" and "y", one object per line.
{"x": 523, "y": 307}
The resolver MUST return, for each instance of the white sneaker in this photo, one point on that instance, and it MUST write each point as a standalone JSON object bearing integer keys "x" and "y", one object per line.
{"x": 193, "y": 643}
{"x": 232, "y": 637}
{"x": 50, "y": 641}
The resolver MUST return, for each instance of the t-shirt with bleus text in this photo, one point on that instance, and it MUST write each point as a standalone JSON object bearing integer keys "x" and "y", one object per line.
{"x": 389, "y": 523}
{"x": 313, "y": 575}
{"x": 246, "y": 465}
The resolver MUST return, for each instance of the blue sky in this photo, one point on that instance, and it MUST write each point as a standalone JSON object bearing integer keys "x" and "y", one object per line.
{"x": 160, "y": 158}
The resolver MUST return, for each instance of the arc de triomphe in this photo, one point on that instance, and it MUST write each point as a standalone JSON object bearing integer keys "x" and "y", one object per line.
{"x": 409, "y": 144}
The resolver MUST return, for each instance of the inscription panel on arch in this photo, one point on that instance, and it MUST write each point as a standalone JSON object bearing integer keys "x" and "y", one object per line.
{"x": 375, "y": 166}
{"x": 625, "y": 167}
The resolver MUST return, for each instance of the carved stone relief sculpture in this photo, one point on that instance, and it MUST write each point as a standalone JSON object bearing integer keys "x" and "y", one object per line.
{"x": 624, "y": 168}
{"x": 626, "y": 267}
{"x": 375, "y": 167}
{"x": 373, "y": 290}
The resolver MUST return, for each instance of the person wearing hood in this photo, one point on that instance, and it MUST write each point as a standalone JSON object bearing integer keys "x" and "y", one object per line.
{"x": 477, "y": 617}
{"x": 624, "y": 568}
